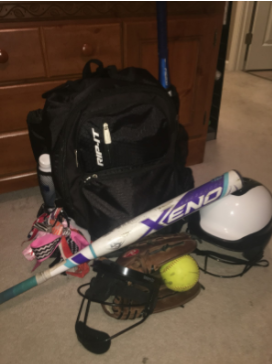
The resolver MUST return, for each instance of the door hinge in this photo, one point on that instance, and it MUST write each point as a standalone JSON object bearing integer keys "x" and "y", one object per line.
{"x": 248, "y": 39}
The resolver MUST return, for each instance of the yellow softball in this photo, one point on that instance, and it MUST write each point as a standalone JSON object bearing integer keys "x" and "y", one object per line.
{"x": 180, "y": 274}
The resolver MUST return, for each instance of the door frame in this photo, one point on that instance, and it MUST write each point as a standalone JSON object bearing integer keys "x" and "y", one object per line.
{"x": 241, "y": 26}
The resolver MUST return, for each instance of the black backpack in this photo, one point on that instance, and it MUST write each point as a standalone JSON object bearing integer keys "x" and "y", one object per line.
{"x": 116, "y": 147}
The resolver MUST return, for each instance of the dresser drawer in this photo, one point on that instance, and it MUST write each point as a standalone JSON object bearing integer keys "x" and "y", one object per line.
{"x": 23, "y": 54}
{"x": 16, "y": 154}
{"x": 17, "y": 101}
{"x": 69, "y": 47}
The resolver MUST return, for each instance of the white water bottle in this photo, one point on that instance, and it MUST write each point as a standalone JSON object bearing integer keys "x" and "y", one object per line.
{"x": 46, "y": 181}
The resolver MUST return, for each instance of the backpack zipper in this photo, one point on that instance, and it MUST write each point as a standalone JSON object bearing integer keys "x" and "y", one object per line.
{"x": 88, "y": 179}
{"x": 76, "y": 158}
{"x": 107, "y": 140}
{"x": 123, "y": 171}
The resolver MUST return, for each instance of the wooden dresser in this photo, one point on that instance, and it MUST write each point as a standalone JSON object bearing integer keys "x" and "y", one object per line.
{"x": 43, "y": 44}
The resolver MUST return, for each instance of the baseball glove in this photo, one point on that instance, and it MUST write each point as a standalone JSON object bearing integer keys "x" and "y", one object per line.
{"x": 147, "y": 256}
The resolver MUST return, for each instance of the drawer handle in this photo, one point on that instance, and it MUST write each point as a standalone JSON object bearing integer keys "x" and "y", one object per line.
{"x": 87, "y": 50}
{"x": 3, "y": 56}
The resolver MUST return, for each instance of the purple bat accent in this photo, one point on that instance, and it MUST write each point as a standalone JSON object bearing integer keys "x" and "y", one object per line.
{"x": 154, "y": 225}
{"x": 79, "y": 259}
{"x": 192, "y": 201}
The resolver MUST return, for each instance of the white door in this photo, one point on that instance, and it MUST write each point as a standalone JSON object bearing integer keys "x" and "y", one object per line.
{"x": 260, "y": 50}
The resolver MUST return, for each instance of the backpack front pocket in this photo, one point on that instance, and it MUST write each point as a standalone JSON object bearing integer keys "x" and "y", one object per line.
{"x": 137, "y": 135}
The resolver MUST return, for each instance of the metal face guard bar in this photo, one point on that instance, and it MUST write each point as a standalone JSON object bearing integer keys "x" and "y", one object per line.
{"x": 114, "y": 280}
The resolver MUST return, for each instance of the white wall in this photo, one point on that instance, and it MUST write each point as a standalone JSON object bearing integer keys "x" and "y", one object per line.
{"x": 239, "y": 27}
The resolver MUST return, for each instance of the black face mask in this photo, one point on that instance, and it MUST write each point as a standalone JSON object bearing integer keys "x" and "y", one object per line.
{"x": 117, "y": 281}
{"x": 249, "y": 259}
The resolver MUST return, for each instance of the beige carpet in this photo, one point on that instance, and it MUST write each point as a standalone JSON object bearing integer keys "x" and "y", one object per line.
{"x": 267, "y": 74}
{"x": 228, "y": 323}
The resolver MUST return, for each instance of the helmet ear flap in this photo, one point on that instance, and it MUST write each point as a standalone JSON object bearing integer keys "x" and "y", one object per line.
{"x": 256, "y": 253}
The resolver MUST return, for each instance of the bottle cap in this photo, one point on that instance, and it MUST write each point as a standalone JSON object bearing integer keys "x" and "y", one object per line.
{"x": 45, "y": 163}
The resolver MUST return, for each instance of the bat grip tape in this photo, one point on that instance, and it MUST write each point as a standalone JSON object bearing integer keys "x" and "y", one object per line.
{"x": 18, "y": 289}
